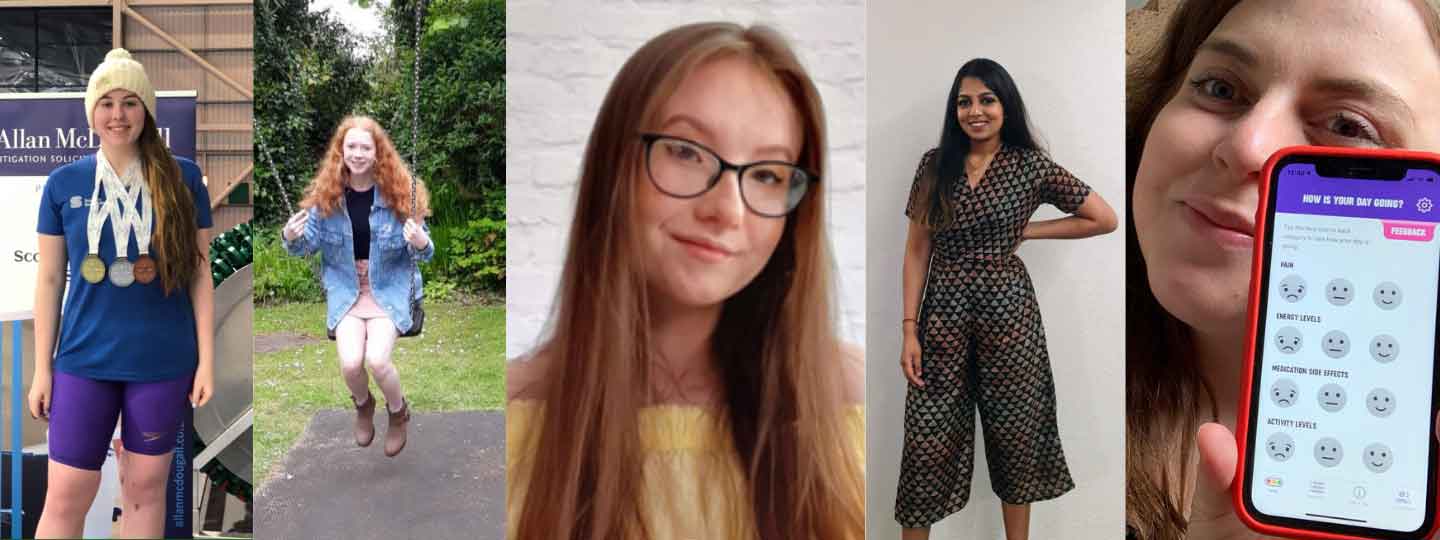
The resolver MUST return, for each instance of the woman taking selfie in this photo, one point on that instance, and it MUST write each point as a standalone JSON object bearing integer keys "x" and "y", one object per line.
{"x": 1220, "y": 93}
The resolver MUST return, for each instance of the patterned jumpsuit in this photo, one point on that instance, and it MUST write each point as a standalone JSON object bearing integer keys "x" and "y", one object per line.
{"x": 982, "y": 344}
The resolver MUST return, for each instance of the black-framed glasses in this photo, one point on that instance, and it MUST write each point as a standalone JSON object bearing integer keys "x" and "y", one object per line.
{"x": 686, "y": 169}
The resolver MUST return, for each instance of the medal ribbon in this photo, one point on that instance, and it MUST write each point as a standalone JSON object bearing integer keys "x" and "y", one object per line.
{"x": 123, "y": 214}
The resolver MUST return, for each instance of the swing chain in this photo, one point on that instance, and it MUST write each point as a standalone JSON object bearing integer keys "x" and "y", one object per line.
{"x": 415, "y": 110}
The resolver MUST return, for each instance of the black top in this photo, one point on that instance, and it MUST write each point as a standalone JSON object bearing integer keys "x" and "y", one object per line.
{"x": 358, "y": 204}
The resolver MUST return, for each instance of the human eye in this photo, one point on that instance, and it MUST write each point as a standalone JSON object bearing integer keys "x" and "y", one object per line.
{"x": 682, "y": 151}
{"x": 767, "y": 175}
{"x": 1352, "y": 128}
{"x": 1215, "y": 89}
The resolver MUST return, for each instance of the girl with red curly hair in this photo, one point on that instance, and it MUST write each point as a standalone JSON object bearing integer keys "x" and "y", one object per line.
{"x": 359, "y": 216}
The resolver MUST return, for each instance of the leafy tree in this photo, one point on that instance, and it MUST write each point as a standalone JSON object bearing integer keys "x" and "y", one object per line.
{"x": 307, "y": 77}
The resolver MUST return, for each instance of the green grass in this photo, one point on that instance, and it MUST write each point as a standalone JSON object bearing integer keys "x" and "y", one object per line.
{"x": 457, "y": 364}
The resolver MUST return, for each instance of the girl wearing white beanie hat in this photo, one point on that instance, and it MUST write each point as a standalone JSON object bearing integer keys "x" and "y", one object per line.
{"x": 136, "y": 335}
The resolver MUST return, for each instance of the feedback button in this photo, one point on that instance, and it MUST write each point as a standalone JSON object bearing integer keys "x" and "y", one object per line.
{"x": 1409, "y": 230}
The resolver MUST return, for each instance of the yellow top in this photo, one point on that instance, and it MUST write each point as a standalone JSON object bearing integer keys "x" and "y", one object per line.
{"x": 690, "y": 467}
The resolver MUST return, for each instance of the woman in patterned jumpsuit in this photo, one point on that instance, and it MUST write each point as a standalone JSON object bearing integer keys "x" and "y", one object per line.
{"x": 978, "y": 330}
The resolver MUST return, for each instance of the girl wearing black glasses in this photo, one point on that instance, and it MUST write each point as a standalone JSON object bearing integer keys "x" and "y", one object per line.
{"x": 692, "y": 385}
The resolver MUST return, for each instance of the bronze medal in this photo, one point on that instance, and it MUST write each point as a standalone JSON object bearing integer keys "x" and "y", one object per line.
{"x": 122, "y": 273}
{"x": 92, "y": 269}
{"x": 144, "y": 269}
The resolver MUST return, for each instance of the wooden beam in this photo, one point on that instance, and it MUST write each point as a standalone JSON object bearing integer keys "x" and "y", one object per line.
{"x": 182, "y": 49}
{"x": 216, "y": 201}
{"x": 117, "y": 24}
{"x": 224, "y": 127}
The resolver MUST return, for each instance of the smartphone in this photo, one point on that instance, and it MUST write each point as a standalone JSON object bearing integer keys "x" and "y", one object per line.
{"x": 1336, "y": 426}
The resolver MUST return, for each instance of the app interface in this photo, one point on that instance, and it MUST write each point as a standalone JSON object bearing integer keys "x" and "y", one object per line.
{"x": 1349, "y": 335}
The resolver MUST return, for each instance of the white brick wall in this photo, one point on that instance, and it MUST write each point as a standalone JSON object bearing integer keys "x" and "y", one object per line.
{"x": 560, "y": 57}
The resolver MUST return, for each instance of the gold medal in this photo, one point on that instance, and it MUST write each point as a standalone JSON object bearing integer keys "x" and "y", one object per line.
{"x": 144, "y": 269}
{"x": 92, "y": 269}
{"x": 122, "y": 273}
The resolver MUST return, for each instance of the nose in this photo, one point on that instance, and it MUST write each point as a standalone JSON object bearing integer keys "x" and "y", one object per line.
{"x": 723, "y": 205}
{"x": 1268, "y": 126}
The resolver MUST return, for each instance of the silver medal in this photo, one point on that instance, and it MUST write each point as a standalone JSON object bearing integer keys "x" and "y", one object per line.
{"x": 122, "y": 272}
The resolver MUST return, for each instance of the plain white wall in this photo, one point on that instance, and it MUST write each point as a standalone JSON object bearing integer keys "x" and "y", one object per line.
{"x": 560, "y": 58}
{"x": 1067, "y": 59}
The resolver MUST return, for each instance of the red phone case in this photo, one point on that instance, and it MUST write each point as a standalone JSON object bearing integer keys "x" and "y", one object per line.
{"x": 1242, "y": 425}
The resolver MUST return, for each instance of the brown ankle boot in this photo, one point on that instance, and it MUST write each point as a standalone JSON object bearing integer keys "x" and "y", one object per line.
{"x": 364, "y": 420}
{"x": 395, "y": 435}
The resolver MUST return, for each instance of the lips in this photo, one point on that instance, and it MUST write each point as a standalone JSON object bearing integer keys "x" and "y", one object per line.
{"x": 703, "y": 247}
{"x": 1223, "y": 224}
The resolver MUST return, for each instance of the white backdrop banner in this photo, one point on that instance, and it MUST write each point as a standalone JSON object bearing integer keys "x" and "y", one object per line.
{"x": 39, "y": 133}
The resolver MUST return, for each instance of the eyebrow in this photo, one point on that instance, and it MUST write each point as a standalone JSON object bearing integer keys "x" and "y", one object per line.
{"x": 1233, "y": 49}
{"x": 705, "y": 133}
{"x": 982, "y": 94}
{"x": 1372, "y": 91}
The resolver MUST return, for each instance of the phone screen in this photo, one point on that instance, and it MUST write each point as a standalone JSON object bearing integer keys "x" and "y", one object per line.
{"x": 1342, "y": 404}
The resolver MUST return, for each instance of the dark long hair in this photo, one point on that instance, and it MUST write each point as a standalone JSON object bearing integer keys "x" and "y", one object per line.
{"x": 955, "y": 144}
{"x": 177, "y": 254}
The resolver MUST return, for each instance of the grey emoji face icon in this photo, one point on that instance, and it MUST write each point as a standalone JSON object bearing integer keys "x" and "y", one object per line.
{"x": 1284, "y": 392}
{"x": 1335, "y": 344}
{"x": 1292, "y": 288}
{"x": 1384, "y": 348}
{"x": 1288, "y": 340}
{"x": 1328, "y": 452}
{"x": 1388, "y": 295}
{"x": 1380, "y": 402}
{"x": 1378, "y": 458}
{"x": 1280, "y": 447}
{"x": 1331, "y": 397}
{"x": 1339, "y": 291}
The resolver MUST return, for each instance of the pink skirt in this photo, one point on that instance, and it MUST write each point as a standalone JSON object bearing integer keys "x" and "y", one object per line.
{"x": 365, "y": 306}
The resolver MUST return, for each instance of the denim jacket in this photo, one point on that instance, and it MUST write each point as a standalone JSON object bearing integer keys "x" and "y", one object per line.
{"x": 390, "y": 261}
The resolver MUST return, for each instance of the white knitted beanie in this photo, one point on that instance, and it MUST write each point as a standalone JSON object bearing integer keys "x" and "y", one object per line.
{"x": 120, "y": 71}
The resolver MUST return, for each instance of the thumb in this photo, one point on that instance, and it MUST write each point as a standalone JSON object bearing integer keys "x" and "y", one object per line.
{"x": 1212, "y": 509}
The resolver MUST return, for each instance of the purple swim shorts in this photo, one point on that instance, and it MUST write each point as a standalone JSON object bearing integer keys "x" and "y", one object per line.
{"x": 83, "y": 414}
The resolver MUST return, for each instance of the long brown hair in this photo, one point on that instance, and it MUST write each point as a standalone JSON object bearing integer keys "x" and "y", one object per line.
{"x": 774, "y": 345}
{"x": 1166, "y": 396}
{"x": 391, "y": 175}
{"x": 177, "y": 254}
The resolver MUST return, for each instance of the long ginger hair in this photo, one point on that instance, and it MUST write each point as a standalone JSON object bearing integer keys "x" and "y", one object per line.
{"x": 1166, "y": 397}
{"x": 177, "y": 254}
{"x": 392, "y": 176}
{"x": 775, "y": 345}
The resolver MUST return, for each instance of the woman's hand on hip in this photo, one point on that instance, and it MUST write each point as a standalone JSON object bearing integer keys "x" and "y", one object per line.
{"x": 295, "y": 227}
{"x": 910, "y": 358}
{"x": 39, "y": 398}
{"x": 415, "y": 235}
{"x": 204, "y": 386}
